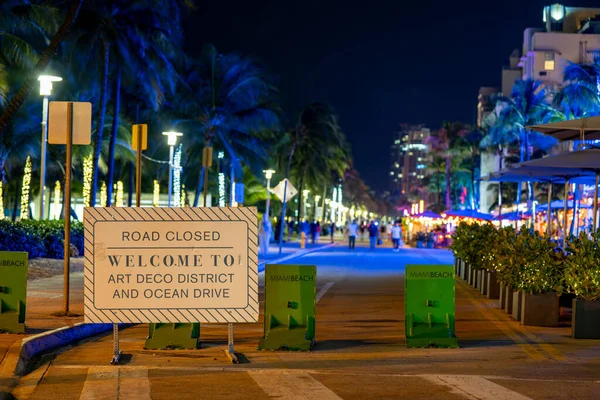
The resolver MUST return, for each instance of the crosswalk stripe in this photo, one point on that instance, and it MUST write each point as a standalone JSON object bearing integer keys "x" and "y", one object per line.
{"x": 292, "y": 385}
{"x": 101, "y": 383}
{"x": 134, "y": 384}
{"x": 475, "y": 387}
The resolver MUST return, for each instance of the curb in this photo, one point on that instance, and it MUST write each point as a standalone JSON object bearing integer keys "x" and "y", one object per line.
{"x": 33, "y": 346}
{"x": 300, "y": 253}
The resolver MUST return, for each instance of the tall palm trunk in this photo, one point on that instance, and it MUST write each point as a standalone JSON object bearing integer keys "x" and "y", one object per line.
{"x": 473, "y": 196}
{"x": 131, "y": 184}
{"x": 287, "y": 176}
{"x": 448, "y": 198}
{"x": 199, "y": 187}
{"x": 113, "y": 138}
{"x": 19, "y": 98}
{"x": 100, "y": 122}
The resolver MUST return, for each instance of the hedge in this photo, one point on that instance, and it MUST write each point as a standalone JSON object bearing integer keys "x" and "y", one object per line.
{"x": 39, "y": 238}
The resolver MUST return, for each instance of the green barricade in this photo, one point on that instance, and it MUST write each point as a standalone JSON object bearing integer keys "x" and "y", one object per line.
{"x": 13, "y": 291}
{"x": 173, "y": 336}
{"x": 430, "y": 306}
{"x": 290, "y": 307}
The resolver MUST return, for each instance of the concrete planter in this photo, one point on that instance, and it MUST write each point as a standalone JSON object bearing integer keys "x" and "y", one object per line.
{"x": 508, "y": 293}
{"x": 493, "y": 286}
{"x": 585, "y": 319}
{"x": 502, "y": 297}
{"x": 540, "y": 309}
{"x": 517, "y": 298}
{"x": 483, "y": 283}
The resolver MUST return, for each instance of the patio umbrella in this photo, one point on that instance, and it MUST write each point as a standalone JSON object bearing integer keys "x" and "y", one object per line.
{"x": 574, "y": 129}
{"x": 470, "y": 214}
{"x": 525, "y": 172}
{"x": 513, "y": 216}
{"x": 428, "y": 214}
{"x": 557, "y": 204}
{"x": 584, "y": 162}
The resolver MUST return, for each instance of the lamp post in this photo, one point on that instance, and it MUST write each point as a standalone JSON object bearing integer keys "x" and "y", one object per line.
{"x": 171, "y": 141}
{"x": 268, "y": 174}
{"x": 46, "y": 91}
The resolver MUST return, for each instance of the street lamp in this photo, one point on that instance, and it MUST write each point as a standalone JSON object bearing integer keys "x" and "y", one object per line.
{"x": 171, "y": 141}
{"x": 46, "y": 91}
{"x": 268, "y": 174}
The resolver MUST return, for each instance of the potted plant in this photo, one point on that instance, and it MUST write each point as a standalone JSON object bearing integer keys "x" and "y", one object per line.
{"x": 582, "y": 278}
{"x": 540, "y": 276}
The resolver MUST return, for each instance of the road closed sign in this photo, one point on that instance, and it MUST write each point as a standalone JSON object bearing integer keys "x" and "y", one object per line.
{"x": 171, "y": 265}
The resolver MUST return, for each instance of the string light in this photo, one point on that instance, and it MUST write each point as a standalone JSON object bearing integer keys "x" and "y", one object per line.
{"x": 103, "y": 195}
{"x": 1, "y": 202}
{"x": 57, "y": 193}
{"x": 120, "y": 194}
{"x": 87, "y": 180}
{"x": 156, "y": 194}
{"x": 177, "y": 177}
{"x": 221, "y": 189}
{"x": 25, "y": 190}
{"x": 183, "y": 204}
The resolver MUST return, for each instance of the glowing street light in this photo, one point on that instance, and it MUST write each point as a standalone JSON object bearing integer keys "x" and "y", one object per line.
{"x": 46, "y": 91}
{"x": 171, "y": 141}
{"x": 268, "y": 174}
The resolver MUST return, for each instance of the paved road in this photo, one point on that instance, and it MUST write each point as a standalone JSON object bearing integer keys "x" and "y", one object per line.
{"x": 360, "y": 351}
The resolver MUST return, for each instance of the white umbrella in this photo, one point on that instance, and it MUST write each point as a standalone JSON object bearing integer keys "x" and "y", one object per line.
{"x": 574, "y": 129}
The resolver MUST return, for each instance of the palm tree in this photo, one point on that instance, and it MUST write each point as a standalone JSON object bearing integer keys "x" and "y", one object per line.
{"x": 578, "y": 98}
{"x": 444, "y": 143}
{"x": 19, "y": 18}
{"x": 319, "y": 149}
{"x": 121, "y": 33}
{"x": 468, "y": 148}
{"x": 228, "y": 100}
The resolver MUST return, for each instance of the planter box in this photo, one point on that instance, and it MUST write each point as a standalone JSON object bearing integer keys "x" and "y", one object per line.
{"x": 585, "y": 319}
{"x": 483, "y": 283}
{"x": 502, "y": 297}
{"x": 508, "y": 306}
{"x": 540, "y": 309}
{"x": 493, "y": 287}
{"x": 516, "y": 305}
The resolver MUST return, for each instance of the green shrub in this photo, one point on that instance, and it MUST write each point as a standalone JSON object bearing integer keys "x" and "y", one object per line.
{"x": 582, "y": 272}
{"x": 39, "y": 238}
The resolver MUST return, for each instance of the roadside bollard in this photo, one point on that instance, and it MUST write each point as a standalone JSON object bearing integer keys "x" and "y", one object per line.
{"x": 302, "y": 240}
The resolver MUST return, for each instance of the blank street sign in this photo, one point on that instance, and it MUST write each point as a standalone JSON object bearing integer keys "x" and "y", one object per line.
{"x": 82, "y": 122}
{"x": 134, "y": 136}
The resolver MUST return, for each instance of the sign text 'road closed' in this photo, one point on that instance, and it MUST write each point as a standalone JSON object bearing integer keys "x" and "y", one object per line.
{"x": 171, "y": 265}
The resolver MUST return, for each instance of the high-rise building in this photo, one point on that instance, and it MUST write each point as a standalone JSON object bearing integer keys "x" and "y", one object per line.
{"x": 570, "y": 34}
{"x": 409, "y": 159}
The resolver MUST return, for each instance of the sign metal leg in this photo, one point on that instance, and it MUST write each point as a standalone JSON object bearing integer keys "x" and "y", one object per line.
{"x": 116, "y": 350}
{"x": 230, "y": 351}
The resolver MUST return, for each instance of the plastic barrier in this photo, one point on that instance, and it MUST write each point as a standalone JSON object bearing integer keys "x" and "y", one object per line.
{"x": 173, "y": 336}
{"x": 13, "y": 291}
{"x": 430, "y": 306}
{"x": 290, "y": 307}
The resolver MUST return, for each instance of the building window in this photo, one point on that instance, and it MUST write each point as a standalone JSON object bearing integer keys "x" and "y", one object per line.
{"x": 549, "y": 62}
{"x": 543, "y": 73}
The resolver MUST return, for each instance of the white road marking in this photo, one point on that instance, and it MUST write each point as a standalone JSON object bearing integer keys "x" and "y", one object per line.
{"x": 292, "y": 385}
{"x": 134, "y": 384}
{"x": 474, "y": 387}
{"x": 101, "y": 383}
{"x": 324, "y": 290}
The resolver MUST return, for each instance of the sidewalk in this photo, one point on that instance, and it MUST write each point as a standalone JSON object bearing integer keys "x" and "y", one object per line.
{"x": 45, "y": 297}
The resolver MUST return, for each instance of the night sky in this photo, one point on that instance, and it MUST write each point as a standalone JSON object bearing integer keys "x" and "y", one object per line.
{"x": 378, "y": 64}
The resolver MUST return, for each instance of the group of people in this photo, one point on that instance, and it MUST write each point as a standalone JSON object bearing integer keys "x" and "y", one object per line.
{"x": 306, "y": 231}
{"x": 377, "y": 233}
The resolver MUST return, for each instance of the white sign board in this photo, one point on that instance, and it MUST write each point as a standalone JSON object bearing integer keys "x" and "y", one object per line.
{"x": 291, "y": 190}
{"x": 57, "y": 122}
{"x": 171, "y": 265}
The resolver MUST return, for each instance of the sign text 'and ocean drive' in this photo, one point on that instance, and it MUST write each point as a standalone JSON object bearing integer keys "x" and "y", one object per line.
{"x": 171, "y": 265}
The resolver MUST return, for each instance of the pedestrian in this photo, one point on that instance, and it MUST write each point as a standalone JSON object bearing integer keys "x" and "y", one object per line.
{"x": 264, "y": 235}
{"x": 318, "y": 228}
{"x": 290, "y": 228}
{"x": 396, "y": 236}
{"x": 313, "y": 231}
{"x": 278, "y": 231}
{"x": 332, "y": 230}
{"x": 352, "y": 229}
{"x": 373, "y": 234}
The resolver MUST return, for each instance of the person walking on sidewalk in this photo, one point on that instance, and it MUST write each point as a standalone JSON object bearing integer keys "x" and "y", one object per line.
{"x": 352, "y": 229}
{"x": 332, "y": 230}
{"x": 373, "y": 234}
{"x": 396, "y": 236}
